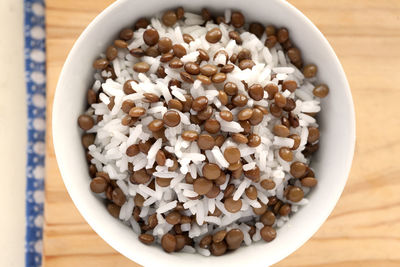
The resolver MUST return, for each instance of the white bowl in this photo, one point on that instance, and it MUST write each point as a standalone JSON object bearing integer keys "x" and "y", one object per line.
{"x": 332, "y": 162}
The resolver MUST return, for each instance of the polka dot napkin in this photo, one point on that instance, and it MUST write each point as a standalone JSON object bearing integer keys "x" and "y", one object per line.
{"x": 35, "y": 77}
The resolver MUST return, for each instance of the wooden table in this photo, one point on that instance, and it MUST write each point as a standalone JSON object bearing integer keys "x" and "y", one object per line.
{"x": 364, "y": 228}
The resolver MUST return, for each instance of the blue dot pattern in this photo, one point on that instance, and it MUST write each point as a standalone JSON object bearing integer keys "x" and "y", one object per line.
{"x": 35, "y": 73}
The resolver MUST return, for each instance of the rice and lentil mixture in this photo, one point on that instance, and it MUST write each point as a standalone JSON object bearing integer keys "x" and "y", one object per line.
{"x": 200, "y": 130}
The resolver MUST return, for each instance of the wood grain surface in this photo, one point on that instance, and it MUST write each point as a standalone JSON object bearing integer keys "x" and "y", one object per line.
{"x": 364, "y": 228}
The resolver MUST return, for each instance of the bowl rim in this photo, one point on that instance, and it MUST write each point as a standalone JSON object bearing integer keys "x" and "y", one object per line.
{"x": 137, "y": 257}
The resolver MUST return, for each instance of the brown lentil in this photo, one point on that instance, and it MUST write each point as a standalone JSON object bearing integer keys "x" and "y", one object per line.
{"x": 268, "y": 233}
{"x": 205, "y": 242}
{"x": 213, "y": 193}
{"x": 289, "y": 85}
{"x": 88, "y": 139}
{"x": 267, "y": 184}
{"x": 246, "y": 126}
{"x": 219, "y": 236}
{"x": 200, "y": 103}
{"x": 208, "y": 70}
{"x": 202, "y": 186}
{"x": 214, "y": 35}
{"x": 137, "y": 112}
{"x": 221, "y": 179}
{"x": 146, "y": 239}
{"x": 211, "y": 171}
{"x": 237, "y": 19}
{"x": 254, "y": 140}
{"x": 175, "y": 104}
{"x": 218, "y": 249}
{"x": 187, "y": 38}
{"x": 189, "y": 136}
{"x": 283, "y": 35}
{"x": 151, "y": 37}
{"x": 120, "y": 44}
{"x": 186, "y": 77}
{"x": 171, "y": 118}
{"x": 219, "y": 140}
{"x": 244, "y": 54}
{"x": 100, "y": 64}
{"x": 160, "y": 158}
{"x": 137, "y": 52}
{"x": 234, "y": 239}
{"x": 164, "y": 45}
{"x": 251, "y": 192}
{"x": 263, "y": 109}
{"x": 310, "y": 70}
{"x": 203, "y": 56}
{"x": 239, "y": 138}
{"x": 271, "y": 41}
{"x": 232, "y": 154}
{"x": 294, "y": 120}
{"x": 126, "y": 34}
{"x": 98, "y": 185}
{"x": 205, "y": 141}
{"x": 271, "y": 89}
{"x": 141, "y": 67}
{"x": 234, "y": 35}
{"x": 227, "y": 68}
{"x": 321, "y": 91}
{"x": 187, "y": 104}
{"x": 253, "y": 174}
{"x": 295, "y": 194}
{"x": 296, "y": 139}
{"x": 179, "y": 50}
{"x": 132, "y": 150}
{"x": 173, "y": 217}
{"x": 294, "y": 54}
{"x": 168, "y": 242}
{"x": 290, "y": 105}
{"x": 285, "y": 209}
{"x": 114, "y": 210}
{"x": 261, "y": 210}
{"x": 256, "y": 92}
{"x": 313, "y": 134}
{"x": 256, "y": 117}
{"x": 169, "y": 18}
{"x": 218, "y": 77}
{"x": 281, "y": 130}
{"x": 233, "y": 206}
{"x": 155, "y": 125}
{"x": 204, "y": 79}
{"x": 309, "y": 182}
{"x": 239, "y": 100}
{"x": 257, "y": 29}
{"x": 226, "y": 115}
{"x": 245, "y": 114}
{"x": 246, "y": 64}
{"x": 111, "y": 52}
{"x": 168, "y": 57}
{"x": 118, "y": 197}
{"x": 140, "y": 177}
{"x": 175, "y": 63}
{"x": 192, "y": 68}
{"x": 268, "y": 218}
{"x": 286, "y": 154}
{"x": 139, "y": 199}
{"x": 85, "y": 122}
{"x": 222, "y": 97}
{"x": 298, "y": 169}
{"x": 212, "y": 126}
{"x": 280, "y": 100}
{"x": 206, "y": 113}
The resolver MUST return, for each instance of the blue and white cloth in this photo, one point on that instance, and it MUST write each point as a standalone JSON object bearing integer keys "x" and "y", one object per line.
{"x": 35, "y": 77}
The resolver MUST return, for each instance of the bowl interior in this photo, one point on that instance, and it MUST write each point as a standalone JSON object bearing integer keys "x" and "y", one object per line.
{"x": 332, "y": 163}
